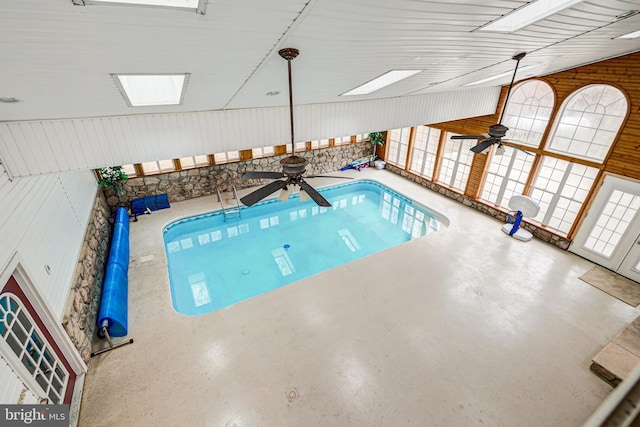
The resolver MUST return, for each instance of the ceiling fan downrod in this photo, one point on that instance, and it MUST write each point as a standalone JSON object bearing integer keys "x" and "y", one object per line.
{"x": 292, "y": 165}
{"x": 517, "y": 58}
{"x": 290, "y": 54}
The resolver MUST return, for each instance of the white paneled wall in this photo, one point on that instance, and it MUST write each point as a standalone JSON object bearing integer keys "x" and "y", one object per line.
{"x": 41, "y": 147}
{"x": 44, "y": 219}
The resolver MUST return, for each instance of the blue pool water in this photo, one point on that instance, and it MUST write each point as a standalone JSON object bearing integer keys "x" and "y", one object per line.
{"x": 213, "y": 263}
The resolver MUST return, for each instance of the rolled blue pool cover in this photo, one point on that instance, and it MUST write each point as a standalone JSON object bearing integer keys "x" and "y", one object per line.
{"x": 113, "y": 302}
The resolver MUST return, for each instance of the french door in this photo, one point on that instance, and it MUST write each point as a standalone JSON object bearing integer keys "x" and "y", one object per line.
{"x": 610, "y": 234}
{"x": 27, "y": 346}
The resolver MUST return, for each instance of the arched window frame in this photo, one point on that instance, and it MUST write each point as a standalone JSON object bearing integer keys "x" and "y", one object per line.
{"x": 529, "y": 128}
{"x": 556, "y": 129}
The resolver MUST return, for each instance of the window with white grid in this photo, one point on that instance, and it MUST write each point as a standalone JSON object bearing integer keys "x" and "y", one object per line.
{"x": 194, "y": 161}
{"x": 507, "y": 175}
{"x": 617, "y": 215}
{"x": 262, "y": 152}
{"x": 361, "y": 136}
{"x": 321, "y": 143}
{"x": 25, "y": 339}
{"x": 220, "y": 158}
{"x": 398, "y": 146}
{"x": 561, "y": 188}
{"x": 528, "y": 111}
{"x": 455, "y": 162}
{"x": 425, "y": 148}
{"x": 158, "y": 166}
{"x": 588, "y": 122}
{"x": 130, "y": 170}
{"x": 342, "y": 140}
{"x": 268, "y": 151}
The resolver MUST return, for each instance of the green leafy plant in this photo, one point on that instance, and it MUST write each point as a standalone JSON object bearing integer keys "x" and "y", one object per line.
{"x": 376, "y": 138}
{"x": 112, "y": 177}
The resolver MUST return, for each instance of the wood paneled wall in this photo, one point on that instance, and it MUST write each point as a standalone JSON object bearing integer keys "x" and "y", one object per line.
{"x": 624, "y": 73}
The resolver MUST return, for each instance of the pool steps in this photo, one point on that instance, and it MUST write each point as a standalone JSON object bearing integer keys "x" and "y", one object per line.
{"x": 230, "y": 205}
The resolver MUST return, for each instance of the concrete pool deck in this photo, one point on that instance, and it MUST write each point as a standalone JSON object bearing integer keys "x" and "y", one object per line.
{"x": 465, "y": 326}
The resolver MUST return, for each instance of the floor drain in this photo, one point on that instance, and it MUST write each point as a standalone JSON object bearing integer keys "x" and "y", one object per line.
{"x": 292, "y": 395}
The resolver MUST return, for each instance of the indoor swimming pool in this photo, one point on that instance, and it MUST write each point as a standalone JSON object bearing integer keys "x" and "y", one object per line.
{"x": 213, "y": 263}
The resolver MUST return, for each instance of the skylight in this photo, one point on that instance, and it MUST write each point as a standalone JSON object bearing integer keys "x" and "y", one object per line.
{"x": 527, "y": 15}
{"x": 198, "y": 6}
{"x": 144, "y": 90}
{"x": 633, "y": 35}
{"x": 498, "y": 76}
{"x": 382, "y": 81}
{"x": 192, "y": 4}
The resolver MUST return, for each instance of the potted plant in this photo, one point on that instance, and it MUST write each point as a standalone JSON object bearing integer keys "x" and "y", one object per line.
{"x": 376, "y": 139}
{"x": 112, "y": 177}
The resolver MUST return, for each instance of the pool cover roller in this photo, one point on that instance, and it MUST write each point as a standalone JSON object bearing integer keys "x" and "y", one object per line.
{"x": 113, "y": 303}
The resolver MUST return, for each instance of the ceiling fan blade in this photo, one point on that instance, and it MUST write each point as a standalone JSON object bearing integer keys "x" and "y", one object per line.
{"x": 262, "y": 175}
{"x": 329, "y": 176}
{"x": 483, "y": 146}
{"x": 517, "y": 148}
{"x": 317, "y": 197}
{"x": 468, "y": 137}
{"x": 262, "y": 192}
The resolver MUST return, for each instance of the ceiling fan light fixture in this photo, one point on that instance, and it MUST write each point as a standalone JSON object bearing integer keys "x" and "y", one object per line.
{"x": 497, "y": 131}
{"x": 293, "y": 167}
{"x": 530, "y": 13}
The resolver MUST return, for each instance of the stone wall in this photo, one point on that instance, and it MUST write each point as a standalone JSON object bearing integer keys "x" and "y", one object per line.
{"x": 82, "y": 307}
{"x": 203, "y": 181}
{"x": 499, "y": 214}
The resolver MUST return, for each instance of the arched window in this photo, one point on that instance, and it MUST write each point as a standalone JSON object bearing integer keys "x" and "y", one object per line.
{"x": 588, "y": 122}
{"x": 528, "y": 112}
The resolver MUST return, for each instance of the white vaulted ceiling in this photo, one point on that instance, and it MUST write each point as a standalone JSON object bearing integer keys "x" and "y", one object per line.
{"x": 57, "y": 59}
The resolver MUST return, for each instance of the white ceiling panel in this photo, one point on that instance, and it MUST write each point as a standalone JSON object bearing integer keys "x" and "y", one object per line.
{"x": 57, "y": 60}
